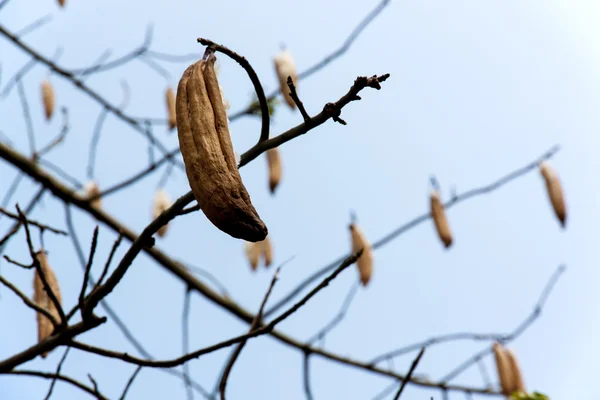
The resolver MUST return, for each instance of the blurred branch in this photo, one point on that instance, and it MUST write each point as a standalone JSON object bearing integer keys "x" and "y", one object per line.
{"x": 57, "y": 373}
{"x": 410, "y": 373}
{"x": 48, "y": 375}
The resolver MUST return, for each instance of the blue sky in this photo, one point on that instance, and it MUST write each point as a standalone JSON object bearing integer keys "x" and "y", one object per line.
{"x": 477, "y": 89}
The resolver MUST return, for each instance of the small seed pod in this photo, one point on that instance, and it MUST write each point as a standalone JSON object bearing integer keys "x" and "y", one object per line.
{"x": 503, "y": 366}
{"x": 171, "y": 115}
{"x": 267, "y": 251}
{"x": 61, "y": 3}
{"x": 519, "y": 386}
{"x": 274, "y": 161}
{"x": 365, "y": 261}
{"x": 438, "y": 213}
{"x": 161, "y": 202}
{"x": 208, "y": 154}
{"x": 41, "y": 298}
{"x": 285, "y": 66}
{"x": 253, "y": 251}
{"x": 555, "y": 192}
{"x": 91, "y": 189}
{"x": 48, "y": 99}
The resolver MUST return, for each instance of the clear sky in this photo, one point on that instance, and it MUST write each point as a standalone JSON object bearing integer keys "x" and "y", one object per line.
{"x": 477, "y": 89}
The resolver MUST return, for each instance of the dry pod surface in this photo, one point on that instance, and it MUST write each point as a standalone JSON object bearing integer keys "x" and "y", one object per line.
{"x": 438, "y": 213}
{"x": 171, "y": 116}
{"x": 508, "y": 380}
{"x": 91, "y": 189}
{"x": 555, "y": 192}
{"x": 41, "y": 298}
{"x": 365, "y": 261}
{"x": 208, "y": 154}
{"x": 61, "y": 3}
{"x": 48, "y": 98}
{"x": 285, "y": 66}
{"x": 161, "y": 202}
{"x": 518, "y": 385}
{"x": 274, "y": 161}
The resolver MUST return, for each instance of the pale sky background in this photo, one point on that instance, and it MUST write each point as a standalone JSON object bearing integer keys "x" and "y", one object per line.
{"x": 477, "y": 89}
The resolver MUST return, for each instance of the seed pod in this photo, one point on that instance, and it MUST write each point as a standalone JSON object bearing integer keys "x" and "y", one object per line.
{"x": 253, "y": 251}
{"x": 274, "y": 161}
{"x": 267, "y": 251}
{"x": 61, "y": 3}
{"x": 91, "y": 189}
{"x": 518, "y": 385}
{"x": 439, "y": 218}
{"x": 365, "y": 261}
{"x": 503, "y": 366}
{"x": 48, "y": 99}
{"x": 284, "y": 66}
{"x": 171, "y": 115}
{"x": 41, "y": 298}
{"x": 208, "y": 155}
{"x": 161, "y": 202}
{"x": 555, "y": 192}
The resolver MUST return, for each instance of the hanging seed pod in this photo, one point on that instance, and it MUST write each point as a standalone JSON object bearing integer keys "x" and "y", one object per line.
{"x": 41, "y": 298}
{"x": 253, "y": 251}
{"x": 285, "y": 66}
{"x": 91, "y": 189}
{"x": 504, "y": 369}
{"x": 438, "y": 213}
{"x": 61, "y": 3}
{"x": 208, "y": 155}
{"x": 267, "y": 251}
{"x": 365, "y": 261}
{"x": 161, "y": 202}
{"x": 48, "y": 99}
{"x": 518, "y": 385}
{"x": 274, "y": 161}
{"x": 171, "y": 115}
{"x": 555, "y": 192}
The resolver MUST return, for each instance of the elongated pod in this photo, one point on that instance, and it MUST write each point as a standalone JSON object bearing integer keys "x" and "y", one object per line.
{"x": 518, "y": 385}
{"x": 555, "y": 192}
{"x": 160, "y": 203}
{"x": 48, "y": 98}
{"x": 438, "y": 213}
{"x": 253, "y": 251}
{"x": 41, "y": 298}
{"x": 171, "y": 114}
{"x": 267, "y": 251}
{"x": 503, "y": 366}
{"x": 285, "y": 66}
{"x": 274, "y": 162}
{"x": 365, "y": 261}
{"x": 208, "y": 155}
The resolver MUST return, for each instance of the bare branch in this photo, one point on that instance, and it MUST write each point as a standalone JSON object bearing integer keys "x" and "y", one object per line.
{"x": 57, "y": 373}
{"x": 410, "y": 373}
{"x": 48, "y": 375}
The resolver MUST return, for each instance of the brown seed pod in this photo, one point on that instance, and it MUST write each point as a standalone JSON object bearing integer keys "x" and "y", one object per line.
{"x": 274, "y": 161}
{"x": 285, "y": 66}
{"x": 518, "y": 385}
{"x": 171, "y": 114}
{"x": 440, "y": 220}
{"x": 555, "y": 192}
{"x": 41, "y": 298}
{"x": 91, "y": 189}
{"x": 365, "y": 261}
{"x": 267, "y": 251}
{"x": 48, "y": 99}
{"x": 208, "y": 155}
{"x": 503, "y": 366}
{"x": 253, "y": 251}
{"x": 160, "y": 203}
{"x": 61, "y": 3}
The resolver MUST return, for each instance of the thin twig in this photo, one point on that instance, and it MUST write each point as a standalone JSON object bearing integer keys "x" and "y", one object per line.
{"x": 410, "y": 373}
{"x": 49, "y": 375}
{"x": 306, "y": 374}
{"x": 28, "y": 301}
{"x": 57, "y": 373}
{"x": 185, "y": 339}
{"x": 130, "y": 382}
{"x": 294, "y": 96}
{"x": 88, "y": 267}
